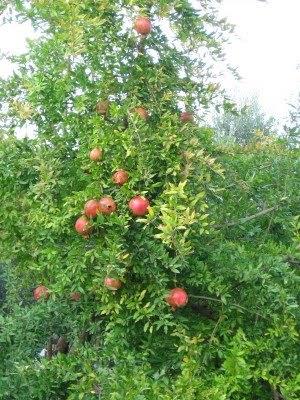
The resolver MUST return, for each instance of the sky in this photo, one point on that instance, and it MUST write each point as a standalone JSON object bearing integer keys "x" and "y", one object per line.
{"x": 265, "y": 49}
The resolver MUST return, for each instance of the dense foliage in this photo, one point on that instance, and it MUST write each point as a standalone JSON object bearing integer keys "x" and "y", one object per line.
{"x": 222, "y": 224}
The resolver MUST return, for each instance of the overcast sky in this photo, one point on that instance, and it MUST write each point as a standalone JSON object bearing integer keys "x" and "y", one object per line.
{"x": 265, "y": 49}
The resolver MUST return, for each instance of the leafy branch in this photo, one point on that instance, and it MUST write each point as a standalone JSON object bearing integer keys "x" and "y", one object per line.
{"x": 2, "y": 9}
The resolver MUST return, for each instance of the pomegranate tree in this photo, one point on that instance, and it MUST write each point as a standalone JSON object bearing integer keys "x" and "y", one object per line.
{"x": 139, "y": 205}
{"x": 177, "y": 298}
{"x": 112, "y": 296}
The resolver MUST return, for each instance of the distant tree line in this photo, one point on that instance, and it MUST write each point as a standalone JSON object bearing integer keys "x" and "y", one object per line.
{"x": 292, "y": 128}
{"x": 241, "y": 125}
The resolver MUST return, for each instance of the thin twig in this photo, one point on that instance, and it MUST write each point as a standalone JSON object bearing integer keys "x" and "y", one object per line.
{"x": 232, "y": 304}
{"x": 249, "y": 217}
{"x": 292, "y": 261}
{"x": 215, "y": 329}
{"x": 277, "y": 395}
{"x": 49, "y": 348}
{"x": 141, "y": 46}
{"x": 186, "y": 168}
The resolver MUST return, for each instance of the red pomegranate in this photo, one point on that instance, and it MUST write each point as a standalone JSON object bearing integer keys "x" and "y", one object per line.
{"x": 96, "y": 154}
{"x": 41, "y": 292}
{"x": 107, "y": 205}
{"x": 139, "y": 205}
{"x": 75, "y": 296}
{"x": 177, "y": 298}
{"x": 142, "y": 112}
{"x": 186, "y": 117}
{"x": 102, "y": 107}
{"x": 143, "y": 25}
{"x": 91, "y": 208}
{"x": 83, "y": 226}
{"x": 112, "y": 283}
{"x": 120, "y": 177}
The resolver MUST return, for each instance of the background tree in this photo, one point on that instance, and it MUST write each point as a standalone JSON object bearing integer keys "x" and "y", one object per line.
{"x": 221, "y": 227}
{"x": 242, "y": 125}
{"x": 292, "y": 129}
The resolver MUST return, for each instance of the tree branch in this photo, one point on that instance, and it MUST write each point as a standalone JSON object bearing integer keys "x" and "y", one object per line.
{"x": 231, "y": 304}
{"x": 294, "y": 262}
{"x": 277, "y": 395}
{"x": 249, "y": 217}
{"x": 212, "y": 336}
{"x": 186, "y": 167}
{"x": 141, "y": 46}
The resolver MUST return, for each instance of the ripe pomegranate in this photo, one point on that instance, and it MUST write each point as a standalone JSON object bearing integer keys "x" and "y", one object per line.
{"x": 143, "y": 25}
{"x": 91, "y": 208}
{"x": 120, "y": 177}
{"x": 139, "y": 205}
{"x": 41, "y": 292}
{"x": 186, "y": 117}
{"x": 75, "y": 296}
{"x": 107, "y": 205}
{"x": 177, "y": 298}
{"x": 142, "y": 112}
{"x": 112, "y": 283}
{"x": 102, "y": 107}
{"x": 83, "y": 226}
{"x": 96, "y": 154}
